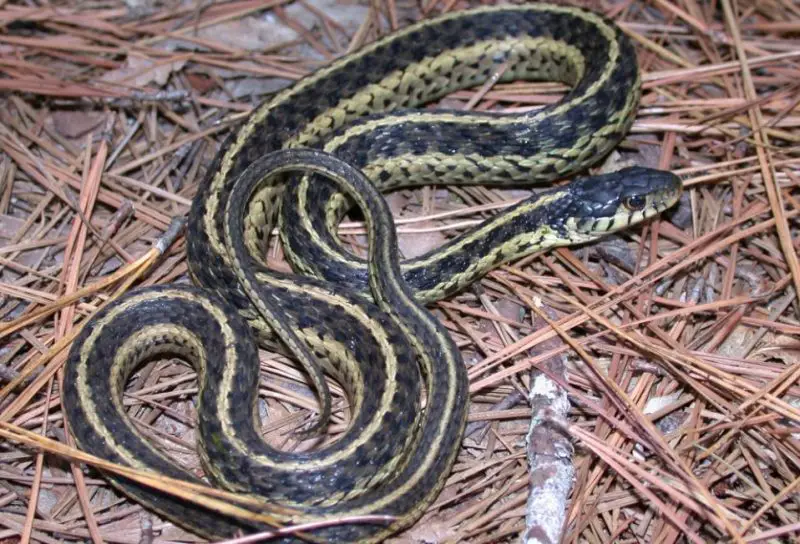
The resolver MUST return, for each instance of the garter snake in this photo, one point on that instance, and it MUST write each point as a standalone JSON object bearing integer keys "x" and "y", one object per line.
{"x": 360, "y": 116}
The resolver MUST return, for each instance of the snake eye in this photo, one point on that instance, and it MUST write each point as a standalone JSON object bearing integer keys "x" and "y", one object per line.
{"x": 635, "y": 203}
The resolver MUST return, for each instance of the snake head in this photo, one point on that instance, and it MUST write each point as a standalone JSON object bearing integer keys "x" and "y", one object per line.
{"x": 601, "y": 204}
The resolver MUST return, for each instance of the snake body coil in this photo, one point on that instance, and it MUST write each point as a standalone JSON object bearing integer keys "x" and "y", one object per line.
{"x": 358, "y": 113}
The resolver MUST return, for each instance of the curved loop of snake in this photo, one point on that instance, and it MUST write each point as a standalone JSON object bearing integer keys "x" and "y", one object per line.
{"x": 354, "y": 129}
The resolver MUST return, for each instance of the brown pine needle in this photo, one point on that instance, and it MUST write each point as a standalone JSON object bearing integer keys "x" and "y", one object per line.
{"x": 684, "y": 397}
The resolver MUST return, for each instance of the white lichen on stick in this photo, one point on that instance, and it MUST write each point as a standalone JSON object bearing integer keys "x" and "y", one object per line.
{"x": 549, "y": 454}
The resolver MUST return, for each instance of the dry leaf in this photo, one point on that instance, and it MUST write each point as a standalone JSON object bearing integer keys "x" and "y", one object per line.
{"x": 76, "y": 123}
{"x": 250, "y": 34}
{"x": 419, "y": 243}
{"x": 140, "y": 72}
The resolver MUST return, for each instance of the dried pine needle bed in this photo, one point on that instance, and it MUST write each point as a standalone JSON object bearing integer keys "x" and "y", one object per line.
{"x": 677, "y": 344}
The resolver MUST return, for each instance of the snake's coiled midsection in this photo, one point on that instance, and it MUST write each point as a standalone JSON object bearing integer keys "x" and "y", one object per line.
{"x": 394, "y": 457}
{"x": 334, "y": 109}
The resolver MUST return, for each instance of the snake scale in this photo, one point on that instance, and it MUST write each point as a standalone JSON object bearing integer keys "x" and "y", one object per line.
{"x": 337, "y": 139}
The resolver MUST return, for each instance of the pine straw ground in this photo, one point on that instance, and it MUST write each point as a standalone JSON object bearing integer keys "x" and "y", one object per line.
{"x": 684, "y": 394}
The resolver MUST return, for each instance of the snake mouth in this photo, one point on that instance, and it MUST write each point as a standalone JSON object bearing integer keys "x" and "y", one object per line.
{"x": 666, "y": 200}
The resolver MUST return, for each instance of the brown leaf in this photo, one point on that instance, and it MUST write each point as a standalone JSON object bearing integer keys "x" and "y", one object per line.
{"x": 200, "y": 83}
{"x": 419, "y": 243}
{"x": 140, "y": 72}
{"x": 76, "y": 123}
